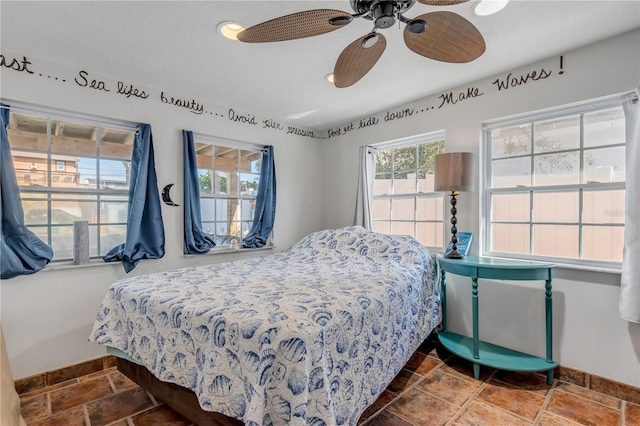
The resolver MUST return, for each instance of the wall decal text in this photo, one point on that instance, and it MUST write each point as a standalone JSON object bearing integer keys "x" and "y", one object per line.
{"x": 300, "y": 132}
{"x": 129, "y": 90}
{"x": 271, "y": 124}
{"x": 15, "y": 64}
{"x": 94, "y": 84}
{"x": 511, "y": 81}
{"x": 192, "y": 105}
{"x": 390, "y": 116}
{"x": 448, "y": 98}
{"x": 246, "y": 119}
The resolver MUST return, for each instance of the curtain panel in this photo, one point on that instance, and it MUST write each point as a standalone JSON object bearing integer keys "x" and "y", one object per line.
{"x": 145, "y": 228}
{"x": 21, "y": 251}
{"x": 630, "y": 278}
{"x": 265, "y": 212}
{"x": 196, "y": 241}
{"x": 364, "y": 194}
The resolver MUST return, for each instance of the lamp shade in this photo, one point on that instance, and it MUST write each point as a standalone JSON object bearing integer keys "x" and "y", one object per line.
{"x": 454, "y": 172}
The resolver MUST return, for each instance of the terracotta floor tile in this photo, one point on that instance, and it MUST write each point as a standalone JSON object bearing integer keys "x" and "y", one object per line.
{"x": 95, "y": 375}
{"x": 464, "y": 369}
{"x": 582, "y": 410}
{"x": 384, "y": 398}
{"x": 549, "y": 419}
{"x": 422, "y": 409}
{"x": 570, "y": 375}
{"x": 52, "y": 387}
{"x": 34, "y": 407}
{"x": 402, "y": 381}
{"x": 590, "y": 394}
{"x": 480, "y": 413}
{"x": 29, "y": 384}
{"x": 525, "y": 404}
{"x": 118, "y": 406}
{"x": 534, "y": 382}
{"x": 159, "y": 416}
{"x": 631, "y": 414}
{"x": 80, "y": 393}
{"x": 388, "y": 419}
{"x": 122, "y": 422}
{"x": 71, "y": 417}
{"x": 421, "y": 363}
{"x": 121, "y": 382}
{"x": 447, "y": 387}
{"x": 74, "y": 371}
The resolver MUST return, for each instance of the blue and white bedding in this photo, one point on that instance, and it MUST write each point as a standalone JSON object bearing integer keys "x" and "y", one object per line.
{"x": 311, "y": 335}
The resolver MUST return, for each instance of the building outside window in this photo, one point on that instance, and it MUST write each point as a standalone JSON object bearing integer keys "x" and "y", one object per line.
{"x": 229, "y": 176}
{"x": 404, "y": 202}
{"x": 555, "y": 185}
{"x": 72, "y": 168}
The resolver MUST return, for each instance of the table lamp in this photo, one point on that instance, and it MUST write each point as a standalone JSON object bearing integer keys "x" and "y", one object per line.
{"x": 454, "y": 172}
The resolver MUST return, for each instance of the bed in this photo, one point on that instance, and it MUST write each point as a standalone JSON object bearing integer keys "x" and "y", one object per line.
{"x": 311, "y": 335}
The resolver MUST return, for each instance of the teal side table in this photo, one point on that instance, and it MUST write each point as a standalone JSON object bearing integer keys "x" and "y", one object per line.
{"x": 488, "y": 354}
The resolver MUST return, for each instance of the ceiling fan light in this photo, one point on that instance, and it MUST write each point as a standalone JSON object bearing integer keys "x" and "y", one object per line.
{"x": 489, "y": 7}
{"x": 329, "y": 77}
{"x": 230, "y": 29}
{"x": 370, "y": 40}
{"x": 417, "y": 26}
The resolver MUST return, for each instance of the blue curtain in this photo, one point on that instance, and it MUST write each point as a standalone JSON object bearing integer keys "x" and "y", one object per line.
{"x": 145, "y": 229}
{"x": 21, "y": 251}
{"x": 196, "y": 241}
{"x": 265, "y": 212}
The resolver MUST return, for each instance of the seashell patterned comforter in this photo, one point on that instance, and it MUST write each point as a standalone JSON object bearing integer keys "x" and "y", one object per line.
{"x": 311, "y": 335}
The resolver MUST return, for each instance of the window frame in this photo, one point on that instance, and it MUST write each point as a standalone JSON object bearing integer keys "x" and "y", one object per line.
{"x": 579, "y": 109}
{"x": 239, "y": 145}
{"x": 63, "y": 194}
{"x": 417, "y": 140}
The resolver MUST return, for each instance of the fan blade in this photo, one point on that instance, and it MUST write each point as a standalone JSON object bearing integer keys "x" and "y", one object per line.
{"x": 449, "y": 38}
{"x": 356, "y": 60}
{"x": 297, "y": 25}
{"x": 442, "y": 2}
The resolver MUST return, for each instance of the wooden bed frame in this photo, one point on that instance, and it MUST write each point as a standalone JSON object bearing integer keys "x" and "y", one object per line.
{"x": 180, "y": 399}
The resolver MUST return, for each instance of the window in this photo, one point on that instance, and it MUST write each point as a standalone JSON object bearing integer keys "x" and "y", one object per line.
{"x": 229, "y": 175}
{"x": 404, "y": 202}
{"x": 555, "y": 185}
{"x": 72, "y": 169}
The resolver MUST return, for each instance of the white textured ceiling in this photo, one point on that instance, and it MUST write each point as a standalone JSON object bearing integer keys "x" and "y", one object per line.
{"x": 174, "y": 45}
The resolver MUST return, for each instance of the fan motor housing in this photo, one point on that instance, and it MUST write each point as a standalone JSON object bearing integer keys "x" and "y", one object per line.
{"x": 383, "y": 8}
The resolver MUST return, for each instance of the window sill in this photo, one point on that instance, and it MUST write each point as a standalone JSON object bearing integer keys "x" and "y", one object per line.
{"x": 228, "y": 250}
{"x": 606, "y": 269}
{"x": 67, "y": 264}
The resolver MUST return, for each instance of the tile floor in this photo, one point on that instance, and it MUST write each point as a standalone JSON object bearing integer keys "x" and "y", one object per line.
{"x": 433, "y": 389}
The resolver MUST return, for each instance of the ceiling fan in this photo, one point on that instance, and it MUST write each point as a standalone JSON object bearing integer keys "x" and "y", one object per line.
{"x": 443, "y": 36}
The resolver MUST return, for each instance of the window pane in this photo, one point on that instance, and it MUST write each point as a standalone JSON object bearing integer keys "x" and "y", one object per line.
{"x": 209, "y": 227}
{"x": 382, "y": 184}
{"x": 114, "y": 174}
{"x": 246, "y": 227}
{"x": 251, "y": 161}
{"x": 510, "y": 207}
{"x": 404, "y": 158}
{"x": 31, "y": 168}
{"x": 62, "y": 241}
{"x": 430, "y": 234}
{"x": 204, "y": 155}
{"x": 41, "y": 232}
{"x": 556, "y": 206}
{"x": 249, "y": 184}
{"x": 511, "y": 141}
{"x": 71, "y": 211}
{"x": 429, "y": 208}
{"x": 403, "y": 209}
{"x": 207, "y": 209}
{"x": 402, "y": 228}
{"x": 557, "y": 169}
{"x": 222, "y": 228}
{"x": 605, "y": 165}
{"x": 427, "y": 156}
{"x": 555, "y": 240}
{"x": 557, "y": 135}
{"x": 383, "y": 161}
{"x": 111, "y": 236}
{"x": 381, "y": 209}
{"x": 248, "y": 209}
{"x": 404, "y": 183}
{"x": 87, "y": 173}
{"x": 64, "y": 171}
{"x": 235, "y": 229}
{"x": 221, "y": 209}
{"x": 73, "y": 138}
{"x": 35, "y": 212}
{"x": 113, "y": 212}
{"x": 605, "y": 127}
{"x": 510, "y": 238}
{"x": 226, "y": 158}
{"x": 603, "y": 207}
{"x": 204, "y": 181}
{"x": 511, "y": 173}
{"x": 116, "y": 144}
{"x": 603, "y": 243}
{"x": 226, "y": 183}
{"x": 381, "y": 227}
{"x": 425, "y": 181}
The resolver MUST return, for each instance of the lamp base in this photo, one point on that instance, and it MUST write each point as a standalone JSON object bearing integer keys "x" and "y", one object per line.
{"x": 453, "y": 254}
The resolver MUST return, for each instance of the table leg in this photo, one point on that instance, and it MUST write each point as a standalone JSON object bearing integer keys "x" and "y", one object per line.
{"x": 476, "y": 371}
{"x": 443, "y": 298}
{"x": 476, "y": 333}
{"x": 548, "y": 308}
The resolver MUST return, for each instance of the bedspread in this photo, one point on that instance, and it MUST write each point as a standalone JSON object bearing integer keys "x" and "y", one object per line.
{"x": 311, "y": 335}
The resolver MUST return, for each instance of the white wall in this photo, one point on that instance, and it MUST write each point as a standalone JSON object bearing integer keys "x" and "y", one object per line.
{"x": 47, "y": 316}
{"x": 588, "y": 333}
